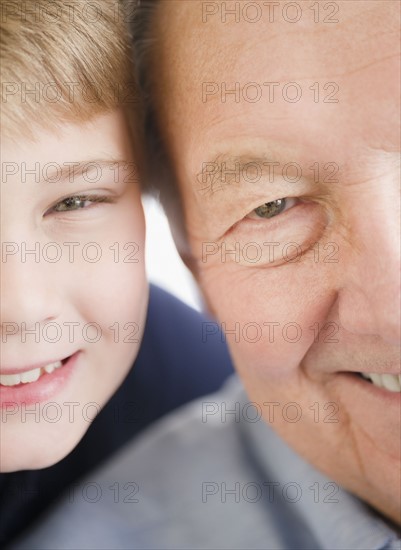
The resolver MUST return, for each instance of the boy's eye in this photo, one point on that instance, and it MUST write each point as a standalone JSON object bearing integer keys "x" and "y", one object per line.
{"x": 77, "y": 202}
{"x": 272, "y": 208}
{"x": 72, "y": 203}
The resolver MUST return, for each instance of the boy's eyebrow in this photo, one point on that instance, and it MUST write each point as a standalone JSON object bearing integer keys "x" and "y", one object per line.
{"x": 70, "y": 170}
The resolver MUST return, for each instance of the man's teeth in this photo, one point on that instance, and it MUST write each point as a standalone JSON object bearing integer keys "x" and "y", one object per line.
{"x": 391, "y": 382}
{"x": 28, "y": 376}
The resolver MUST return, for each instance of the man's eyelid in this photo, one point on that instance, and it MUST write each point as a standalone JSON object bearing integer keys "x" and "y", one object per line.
{"x": 242, "y": 181}
{"x": 247, "y": 206}
{"x": 246, "y": 196}
{"x": 294, "y": 201}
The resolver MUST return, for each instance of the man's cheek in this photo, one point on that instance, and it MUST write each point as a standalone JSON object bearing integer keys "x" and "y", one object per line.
{"x": 270, "y": 362}
{"x": 271, "y": 327}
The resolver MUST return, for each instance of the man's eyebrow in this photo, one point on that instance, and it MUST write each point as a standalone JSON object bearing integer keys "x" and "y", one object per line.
{"x": 227, "y": 168}
{"x": 68, "y": 171}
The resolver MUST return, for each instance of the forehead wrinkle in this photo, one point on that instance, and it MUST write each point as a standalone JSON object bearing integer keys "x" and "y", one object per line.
{"x": 227, "y": 45}
{"x": 215, "y": 128}
{"x": 380, "y": 164}
{"x": 354, "y": 37}
{"x": 366, "y": 66}
{"x": 353, "y": 65}
{"x": 300, "y": 77}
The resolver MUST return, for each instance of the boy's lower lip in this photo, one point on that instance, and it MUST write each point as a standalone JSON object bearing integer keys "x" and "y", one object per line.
{"x": 45, "y": 388}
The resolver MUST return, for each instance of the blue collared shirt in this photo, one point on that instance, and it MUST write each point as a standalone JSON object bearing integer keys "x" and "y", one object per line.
{"x": 197, "y": 480}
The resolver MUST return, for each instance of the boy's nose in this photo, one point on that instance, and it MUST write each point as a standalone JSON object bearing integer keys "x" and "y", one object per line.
{"x": 29, "y": 294}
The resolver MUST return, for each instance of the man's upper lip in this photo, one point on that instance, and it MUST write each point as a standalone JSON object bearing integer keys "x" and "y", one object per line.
{"x": 396, "y": 372}
{"x": 26, "y": 368}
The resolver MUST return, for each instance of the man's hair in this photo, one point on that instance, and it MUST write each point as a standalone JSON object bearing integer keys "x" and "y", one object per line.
{"x": 143, "y": 44}
{"x": 63, "y": 61}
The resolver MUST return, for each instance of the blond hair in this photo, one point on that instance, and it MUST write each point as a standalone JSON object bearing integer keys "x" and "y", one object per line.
{"x": 63, "y": 61}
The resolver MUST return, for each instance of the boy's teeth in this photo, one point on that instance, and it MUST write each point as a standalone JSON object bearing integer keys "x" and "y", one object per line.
{"x": 28, "y": 376}
{"x": 390, "y": 382}
{"x": 10, "y": 379}
{"x": 50, "y": 368}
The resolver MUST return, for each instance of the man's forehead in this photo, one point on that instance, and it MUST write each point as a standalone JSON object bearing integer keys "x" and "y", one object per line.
{"x": 362, "y": 33}
{"x": 215, "y": 72}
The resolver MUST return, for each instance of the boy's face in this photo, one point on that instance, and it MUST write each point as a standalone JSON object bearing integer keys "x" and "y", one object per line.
{"x": 308, "y": 287}
{"x": 73, "y": 286}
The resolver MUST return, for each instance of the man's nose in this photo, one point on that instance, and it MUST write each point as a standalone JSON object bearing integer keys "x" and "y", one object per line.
{"x": 369, "y": 300}
{"x": 30, "y": 293}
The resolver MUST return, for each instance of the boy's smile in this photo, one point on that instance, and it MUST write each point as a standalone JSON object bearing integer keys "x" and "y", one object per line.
{"x": 74, "y": 291}
{"x": 35, "y": 384}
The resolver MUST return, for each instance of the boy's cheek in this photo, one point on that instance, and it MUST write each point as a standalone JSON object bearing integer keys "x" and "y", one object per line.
{"x": 104, "y": 362}
{"x": 108, "y": 284}
{"x": 112, "y": 294}
{"x": 113, "y": 290}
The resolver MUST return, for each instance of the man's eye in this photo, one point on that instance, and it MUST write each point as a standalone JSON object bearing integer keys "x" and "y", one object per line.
{"x": 77, "y": 202}
{"x": 272, "y": 208}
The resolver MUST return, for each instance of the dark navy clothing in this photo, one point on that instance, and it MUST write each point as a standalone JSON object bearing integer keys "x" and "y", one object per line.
{"x": 174, "y": 366}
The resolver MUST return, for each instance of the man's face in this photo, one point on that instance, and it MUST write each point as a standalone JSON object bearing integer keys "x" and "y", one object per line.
{"x": 290, "y": 187}
{"x": 74, "y": 292}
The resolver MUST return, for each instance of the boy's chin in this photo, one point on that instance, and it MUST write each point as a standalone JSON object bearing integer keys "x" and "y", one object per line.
{"x": 38, "y": 450}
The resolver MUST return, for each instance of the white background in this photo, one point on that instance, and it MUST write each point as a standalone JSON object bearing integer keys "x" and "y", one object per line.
{"x": 164, "y": 265}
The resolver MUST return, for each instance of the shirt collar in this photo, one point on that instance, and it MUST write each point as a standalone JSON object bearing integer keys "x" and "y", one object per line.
{"x": 337, "y": 518}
